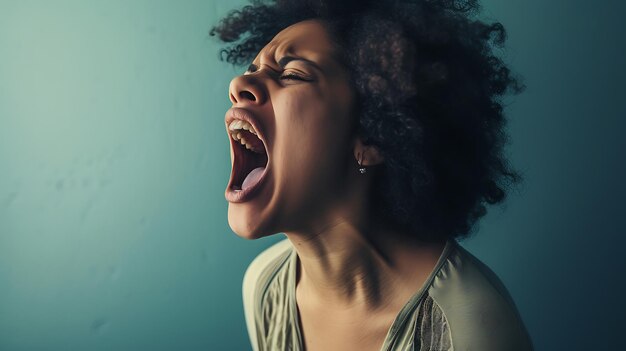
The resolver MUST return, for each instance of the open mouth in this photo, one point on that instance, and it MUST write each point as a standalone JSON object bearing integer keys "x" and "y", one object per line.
{"x": 250, "y": 160}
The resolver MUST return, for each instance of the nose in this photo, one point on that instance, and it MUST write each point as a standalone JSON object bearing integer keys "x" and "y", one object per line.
{"x": 246, "y": 89}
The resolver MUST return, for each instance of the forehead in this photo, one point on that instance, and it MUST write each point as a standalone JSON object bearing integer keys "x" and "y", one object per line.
{"x": 308, "y": 38}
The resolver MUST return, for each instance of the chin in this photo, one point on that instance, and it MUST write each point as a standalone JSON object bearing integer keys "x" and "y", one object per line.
{"x": 245, "y": 222}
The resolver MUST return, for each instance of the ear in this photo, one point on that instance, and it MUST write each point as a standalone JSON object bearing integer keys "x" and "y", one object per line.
{"x": 370, "y": 153}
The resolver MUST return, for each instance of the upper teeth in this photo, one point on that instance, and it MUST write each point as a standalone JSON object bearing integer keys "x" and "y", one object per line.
{"x": 239, "y": 124}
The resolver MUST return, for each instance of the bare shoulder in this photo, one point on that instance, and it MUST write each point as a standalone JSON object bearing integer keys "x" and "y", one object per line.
{"x": 478, "y": 308}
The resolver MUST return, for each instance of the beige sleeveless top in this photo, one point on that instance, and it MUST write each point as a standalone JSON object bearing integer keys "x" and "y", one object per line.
{"x": 461, "y": 306}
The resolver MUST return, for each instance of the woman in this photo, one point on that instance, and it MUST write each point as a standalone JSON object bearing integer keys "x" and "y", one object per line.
{"x": 371, "y": 135}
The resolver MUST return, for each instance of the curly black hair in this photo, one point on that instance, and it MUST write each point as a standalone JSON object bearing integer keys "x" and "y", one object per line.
{"x": 433, "y": 106}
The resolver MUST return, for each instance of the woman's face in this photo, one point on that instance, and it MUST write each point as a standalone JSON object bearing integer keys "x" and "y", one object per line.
{"x": 306, "y": 124}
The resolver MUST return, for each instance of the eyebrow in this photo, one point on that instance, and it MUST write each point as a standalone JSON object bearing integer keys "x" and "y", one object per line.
{"x": 284, "y": 61}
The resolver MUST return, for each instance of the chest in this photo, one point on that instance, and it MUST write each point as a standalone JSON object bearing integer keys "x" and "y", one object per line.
{"x": 324, "y": 330}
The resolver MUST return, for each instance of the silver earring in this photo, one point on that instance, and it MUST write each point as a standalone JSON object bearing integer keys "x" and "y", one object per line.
{"x": 361, "y": 168}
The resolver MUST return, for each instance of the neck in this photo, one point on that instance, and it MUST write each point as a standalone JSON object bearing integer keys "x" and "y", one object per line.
{"x": 358, "y": 264}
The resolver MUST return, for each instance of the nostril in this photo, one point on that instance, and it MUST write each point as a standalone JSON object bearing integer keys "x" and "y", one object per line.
{"x": 248, "y": 95}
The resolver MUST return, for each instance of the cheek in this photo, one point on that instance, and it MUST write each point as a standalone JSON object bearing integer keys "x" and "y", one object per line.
{"x": 311, "y": 136}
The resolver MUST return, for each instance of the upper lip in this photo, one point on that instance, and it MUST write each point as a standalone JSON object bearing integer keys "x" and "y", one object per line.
{"x": 245, "y": 115}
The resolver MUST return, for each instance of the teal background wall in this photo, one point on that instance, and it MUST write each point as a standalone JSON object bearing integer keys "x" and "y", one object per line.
{"x": 114, "y": 160}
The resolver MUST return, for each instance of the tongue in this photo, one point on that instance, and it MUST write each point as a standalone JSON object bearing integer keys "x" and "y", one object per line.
{"x": 252, "y": 178}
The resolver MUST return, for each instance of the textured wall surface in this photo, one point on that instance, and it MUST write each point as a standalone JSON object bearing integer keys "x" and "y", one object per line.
{"x": 114, "y": 160}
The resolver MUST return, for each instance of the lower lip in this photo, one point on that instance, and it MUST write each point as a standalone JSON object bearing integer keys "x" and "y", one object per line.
{"x": 236, "y": 196}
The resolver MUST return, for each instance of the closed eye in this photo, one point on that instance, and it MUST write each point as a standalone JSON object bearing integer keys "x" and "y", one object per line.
{"x": 292, "y": 76}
